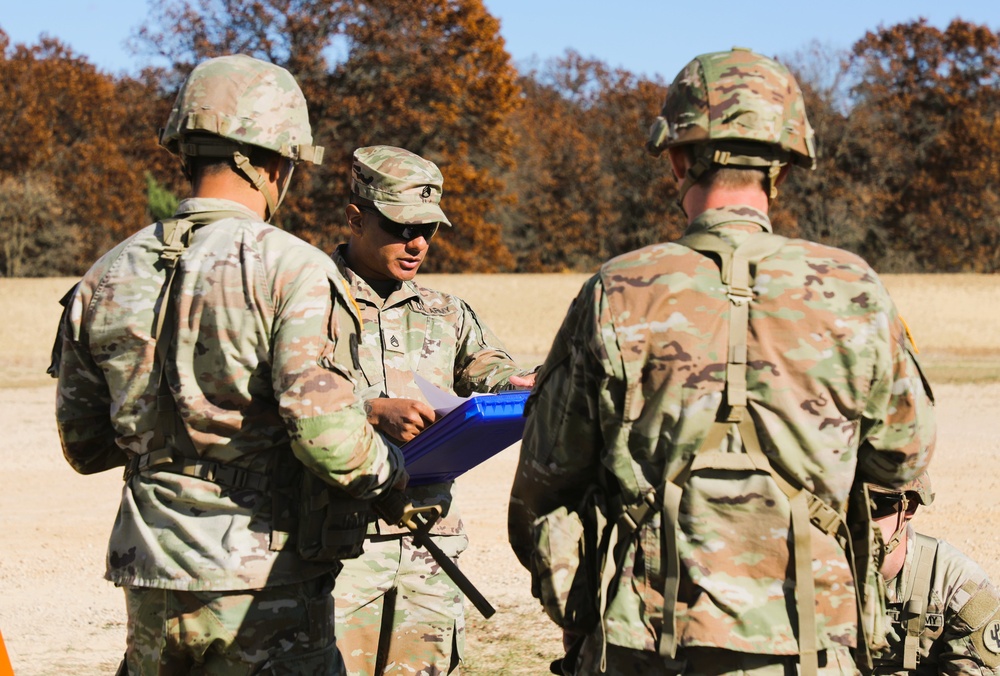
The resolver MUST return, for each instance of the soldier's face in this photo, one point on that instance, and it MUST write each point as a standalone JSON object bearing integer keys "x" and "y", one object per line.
{"x": 388, "y": 251}
{"x": 890, "y": 514}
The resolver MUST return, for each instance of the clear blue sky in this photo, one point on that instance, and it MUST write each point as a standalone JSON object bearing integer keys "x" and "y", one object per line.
{"x": 647, "y": 37}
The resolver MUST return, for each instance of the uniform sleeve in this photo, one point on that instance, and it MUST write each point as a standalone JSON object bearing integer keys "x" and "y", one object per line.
{"x": 898, "y": 427}
{"x": 329, "y": 431}
{"x": 83, "y": 401}
{"x": 561, "y": 449}
{"x": 970, "y": 642}
{"x": 481, "y": 363}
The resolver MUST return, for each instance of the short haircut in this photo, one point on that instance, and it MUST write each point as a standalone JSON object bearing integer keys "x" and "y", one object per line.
{"x": 208, "y": 166}
{"x": 719, "y": 176}
{"x": 361, "y": 202}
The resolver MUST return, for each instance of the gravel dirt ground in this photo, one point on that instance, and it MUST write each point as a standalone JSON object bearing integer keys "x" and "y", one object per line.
{"x": 58, "y": 615}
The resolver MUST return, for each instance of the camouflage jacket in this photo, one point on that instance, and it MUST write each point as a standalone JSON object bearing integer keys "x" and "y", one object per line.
{"x": 635, "y": 379}
{"x": 436, "y": 335}
{"x": 252, "y": 374}
{"x": 961, "y": 632}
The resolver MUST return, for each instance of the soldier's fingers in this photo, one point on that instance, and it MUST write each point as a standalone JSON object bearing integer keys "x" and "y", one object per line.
{"x": 425, "y": 412}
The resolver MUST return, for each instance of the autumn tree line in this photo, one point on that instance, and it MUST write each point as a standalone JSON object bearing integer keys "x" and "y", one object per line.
{"x": 544, "y": 170}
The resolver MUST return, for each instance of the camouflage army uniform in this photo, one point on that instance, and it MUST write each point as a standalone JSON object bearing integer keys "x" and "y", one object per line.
{"x": 633, "y": 383}
{"x": 961, "y": 632}
{"x": 696, "y": 429}
{"x": 255, "y": 386}
{"x": 439, "y": 337}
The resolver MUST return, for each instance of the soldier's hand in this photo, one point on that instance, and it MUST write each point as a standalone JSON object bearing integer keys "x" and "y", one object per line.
{"x": 524, "y": 382}
{"x": 401, "y": 419}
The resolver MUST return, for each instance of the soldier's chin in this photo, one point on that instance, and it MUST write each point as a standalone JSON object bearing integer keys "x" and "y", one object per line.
{"x": 407, "y": 269}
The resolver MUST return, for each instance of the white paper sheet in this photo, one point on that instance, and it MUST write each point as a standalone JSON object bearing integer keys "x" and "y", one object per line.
{"x": 442, "y": 402}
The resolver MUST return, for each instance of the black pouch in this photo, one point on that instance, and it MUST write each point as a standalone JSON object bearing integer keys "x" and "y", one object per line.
{"x": 332, "y": 525}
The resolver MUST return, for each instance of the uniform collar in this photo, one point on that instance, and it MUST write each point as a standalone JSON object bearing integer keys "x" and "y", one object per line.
{"x": 363, "y": 292}
{"x": 195, "y": 205}
{"x": 736, "y": 214}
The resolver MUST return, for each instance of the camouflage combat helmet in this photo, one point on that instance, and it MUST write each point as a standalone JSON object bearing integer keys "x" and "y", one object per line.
{"x": 404, "y": 187}
{"x": 738, "y": 109}
{"x": 233, "y": 102}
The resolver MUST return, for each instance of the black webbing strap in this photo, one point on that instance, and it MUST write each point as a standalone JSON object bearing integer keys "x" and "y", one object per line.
{"x": 224, "y": 474}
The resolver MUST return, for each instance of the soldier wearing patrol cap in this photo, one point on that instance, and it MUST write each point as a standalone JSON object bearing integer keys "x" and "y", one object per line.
{"x": 207, "y": 355}
{"x": 705, "y": 409}
{"x": 397, "y": 611}
{"x": 943, "y": 614}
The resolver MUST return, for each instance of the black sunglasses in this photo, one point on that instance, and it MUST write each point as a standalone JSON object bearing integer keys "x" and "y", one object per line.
{"x": 405, "y": 231}
{"x": 884, "y": 504}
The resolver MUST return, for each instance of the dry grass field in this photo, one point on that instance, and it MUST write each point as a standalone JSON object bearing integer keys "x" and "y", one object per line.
{"x": 58, "y": 616}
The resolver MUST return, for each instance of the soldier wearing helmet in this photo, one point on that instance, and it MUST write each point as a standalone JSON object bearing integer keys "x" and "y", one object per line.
{"x": 943, "y": 613}
{"x": 397, "y": 610}
{"x": 208, "y": 355}
{"x": 708, "y": 403}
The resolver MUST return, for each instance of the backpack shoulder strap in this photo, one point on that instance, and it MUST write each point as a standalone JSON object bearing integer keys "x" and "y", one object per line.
{"x": 738, "y": 265}
{"x": 918, "y": 585}
{"x": 170, "y": 442}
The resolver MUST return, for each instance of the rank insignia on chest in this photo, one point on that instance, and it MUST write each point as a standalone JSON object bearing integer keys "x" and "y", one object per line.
{"x": 392, "y": 342}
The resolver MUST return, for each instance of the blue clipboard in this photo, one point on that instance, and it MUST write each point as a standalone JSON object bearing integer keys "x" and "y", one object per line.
{"x": 475, "y": 431}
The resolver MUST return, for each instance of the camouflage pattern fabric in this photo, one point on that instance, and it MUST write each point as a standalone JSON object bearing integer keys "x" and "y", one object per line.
{"x": 696, "y": 661}
{"x": 252, "y": 374}
{"x": 632, "y": 385}
{"x": 962, "y": 630}
{"x": 244, "y": 100}
{"x": 405, "y": 187}
{"x": 279, "y": 630}
{"x": 736, "y": 96}
{"x": 396, "y": 602}
{"x": 439, "y": 337}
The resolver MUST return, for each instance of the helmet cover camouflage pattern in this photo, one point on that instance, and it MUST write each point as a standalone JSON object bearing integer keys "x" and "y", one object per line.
{"x": 737, "y": 97}
{"x": 919, "y": 489}
{"x": 244, "y": 100}
{"x": 405, "y": 187}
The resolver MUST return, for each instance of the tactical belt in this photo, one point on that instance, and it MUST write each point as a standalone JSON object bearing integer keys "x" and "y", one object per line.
{"x": 223, "y": 474}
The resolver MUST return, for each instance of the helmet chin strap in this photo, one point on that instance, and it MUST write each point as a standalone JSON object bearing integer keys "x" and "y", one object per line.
{"x": 897, "y": 537}
{"x": 284, "y": 187}
{"x": 259, "y": 182}
{"x": 701, "y": 165}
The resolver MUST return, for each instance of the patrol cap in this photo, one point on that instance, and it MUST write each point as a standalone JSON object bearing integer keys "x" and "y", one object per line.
{"x": 404, "y": 187}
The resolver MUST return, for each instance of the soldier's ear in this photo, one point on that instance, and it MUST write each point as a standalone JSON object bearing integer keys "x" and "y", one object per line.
{"x": 274, "y": 167}
{"x": 782, "y": 174}
{"x": 679, "y": 162}
{"x": 354, "y": 218}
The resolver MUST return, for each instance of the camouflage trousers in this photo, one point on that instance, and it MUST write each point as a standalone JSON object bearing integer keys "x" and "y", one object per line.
{"x": 397, "y": 612}
{"x": 276, "y": 630}
{"x": 701, "y": 662}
